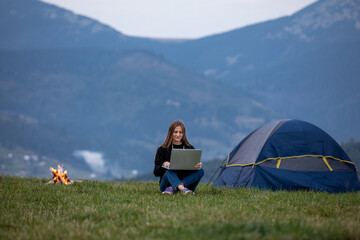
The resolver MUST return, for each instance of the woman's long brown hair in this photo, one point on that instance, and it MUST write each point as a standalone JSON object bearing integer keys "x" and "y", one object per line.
{"x": 168, "y": 140}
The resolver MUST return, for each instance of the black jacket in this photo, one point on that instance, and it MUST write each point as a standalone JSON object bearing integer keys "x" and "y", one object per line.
{"x": 163, "y": 155}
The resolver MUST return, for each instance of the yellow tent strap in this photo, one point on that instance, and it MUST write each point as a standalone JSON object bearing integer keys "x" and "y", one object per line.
{"x": 282, "y": 158}
{"x": 227, "y": 161}
{"x": 327, "y": 164}
{"x": 278, "y": 163}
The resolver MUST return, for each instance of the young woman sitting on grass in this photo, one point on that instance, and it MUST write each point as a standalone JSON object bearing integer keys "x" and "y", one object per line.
{"x": 172, "y": 181}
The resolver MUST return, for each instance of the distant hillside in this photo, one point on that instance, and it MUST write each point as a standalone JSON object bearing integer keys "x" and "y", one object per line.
{"x": 306, "y": 65}
{"x": 31, "y": 24}
{"x": 21, "y": 131}
{"x": 125, "y": 99}
{"x": 29, "y": 148}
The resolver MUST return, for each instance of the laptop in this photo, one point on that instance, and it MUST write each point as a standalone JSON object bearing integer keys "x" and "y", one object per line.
{"x": 184, "y": 159}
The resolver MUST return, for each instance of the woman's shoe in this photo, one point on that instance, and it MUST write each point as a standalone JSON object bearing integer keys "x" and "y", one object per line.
{"x": 186, "y": 191}
{"x": 168, "y": 190}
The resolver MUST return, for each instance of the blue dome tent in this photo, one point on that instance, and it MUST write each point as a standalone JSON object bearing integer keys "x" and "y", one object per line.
{"x": 289, "y": 155}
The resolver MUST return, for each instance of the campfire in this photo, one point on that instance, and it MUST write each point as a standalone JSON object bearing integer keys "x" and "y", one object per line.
{"x": 59, "y": 176}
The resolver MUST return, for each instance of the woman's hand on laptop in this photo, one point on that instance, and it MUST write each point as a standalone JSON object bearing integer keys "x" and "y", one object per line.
{"x": 198, "y": 166}
{"x": 166, "y": 164}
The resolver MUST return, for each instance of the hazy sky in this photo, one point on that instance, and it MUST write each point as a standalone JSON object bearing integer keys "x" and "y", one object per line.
{"x": 180, "y": 18}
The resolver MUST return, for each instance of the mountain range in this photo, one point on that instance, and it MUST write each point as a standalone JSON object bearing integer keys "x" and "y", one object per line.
{"x": 306, "y": 65}
{"x": 116, "y": 95}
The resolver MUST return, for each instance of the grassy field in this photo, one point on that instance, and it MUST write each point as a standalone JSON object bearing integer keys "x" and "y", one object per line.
{"x": 31, "y": 209}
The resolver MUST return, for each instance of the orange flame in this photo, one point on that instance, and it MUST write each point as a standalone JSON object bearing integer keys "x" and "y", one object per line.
{"x": 59, "y": 175}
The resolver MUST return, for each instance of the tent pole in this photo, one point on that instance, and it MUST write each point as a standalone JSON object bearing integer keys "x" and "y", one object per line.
{"x": 216, "y": 171}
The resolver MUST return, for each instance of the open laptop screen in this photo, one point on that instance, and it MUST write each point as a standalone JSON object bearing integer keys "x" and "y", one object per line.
{"x": 185, "y": 159}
